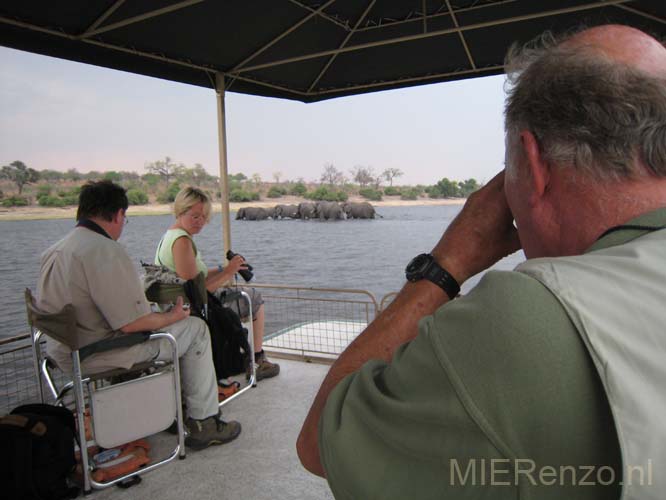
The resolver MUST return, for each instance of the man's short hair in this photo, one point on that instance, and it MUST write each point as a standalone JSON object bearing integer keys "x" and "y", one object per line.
{"x": 101, "y": 199}
{"x": 598, "y": 116}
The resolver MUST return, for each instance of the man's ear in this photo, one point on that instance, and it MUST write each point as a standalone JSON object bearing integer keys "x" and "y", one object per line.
{"x": 119, "y": 217}
{"x": 538, "y": 168}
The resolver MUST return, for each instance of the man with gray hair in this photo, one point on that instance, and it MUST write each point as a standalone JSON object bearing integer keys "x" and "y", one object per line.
{"x": 545, "y": 382}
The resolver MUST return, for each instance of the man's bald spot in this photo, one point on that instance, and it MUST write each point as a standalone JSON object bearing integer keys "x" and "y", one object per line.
{"x": 625, "y": 45}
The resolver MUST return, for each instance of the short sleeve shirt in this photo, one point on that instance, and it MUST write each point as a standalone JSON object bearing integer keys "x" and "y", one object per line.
{"x": 496, "y": 379}
{"x": 95, "y": 275}
{"x": 164, "y": 253}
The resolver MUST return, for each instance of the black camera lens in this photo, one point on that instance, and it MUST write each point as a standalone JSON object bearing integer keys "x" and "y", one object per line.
{"x": 246, "y": 274}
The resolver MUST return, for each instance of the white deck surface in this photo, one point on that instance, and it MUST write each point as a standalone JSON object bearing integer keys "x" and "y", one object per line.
{"x": 330, "y": 337}
{"x": 261, "y": 464}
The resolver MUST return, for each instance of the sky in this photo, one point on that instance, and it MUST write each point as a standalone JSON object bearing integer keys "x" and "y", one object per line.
{"x": 59, "y": 114}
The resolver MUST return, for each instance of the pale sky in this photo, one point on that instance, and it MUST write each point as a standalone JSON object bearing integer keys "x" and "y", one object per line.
{"x": 59, "y": 114}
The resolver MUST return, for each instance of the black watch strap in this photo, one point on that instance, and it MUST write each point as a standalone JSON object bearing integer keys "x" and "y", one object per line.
{"x": 425, "y": 266}
{"x": 443, "y": 279}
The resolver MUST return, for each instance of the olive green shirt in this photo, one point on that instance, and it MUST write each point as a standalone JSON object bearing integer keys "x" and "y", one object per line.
{"x": 496, "y": 397}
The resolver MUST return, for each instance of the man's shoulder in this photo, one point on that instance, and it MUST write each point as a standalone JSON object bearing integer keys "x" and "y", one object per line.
{"x": 84, "y": 243}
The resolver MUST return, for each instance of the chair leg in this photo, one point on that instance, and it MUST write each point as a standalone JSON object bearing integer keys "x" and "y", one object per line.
{"x": 80, "y": 409}
{"x": 36, "y": 355}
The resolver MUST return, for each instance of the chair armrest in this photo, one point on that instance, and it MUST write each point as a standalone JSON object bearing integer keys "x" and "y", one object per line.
{"x": 125, "y": 340}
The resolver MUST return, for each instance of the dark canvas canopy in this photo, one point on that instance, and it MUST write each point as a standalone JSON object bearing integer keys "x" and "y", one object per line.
{"x": 308, "y": 50}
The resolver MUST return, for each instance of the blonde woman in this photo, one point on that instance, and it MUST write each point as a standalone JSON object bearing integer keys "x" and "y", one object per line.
{"x": 177, "y": 251}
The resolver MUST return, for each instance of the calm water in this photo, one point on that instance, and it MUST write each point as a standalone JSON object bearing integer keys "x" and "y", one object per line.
{"x": 367, "y": 254}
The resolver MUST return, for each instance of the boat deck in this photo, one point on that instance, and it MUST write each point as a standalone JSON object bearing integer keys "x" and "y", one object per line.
{"x": 260, "y": 465}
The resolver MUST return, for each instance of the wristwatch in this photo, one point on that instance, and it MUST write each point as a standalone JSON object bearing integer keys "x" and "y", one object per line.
{"x": 425, "y": 266}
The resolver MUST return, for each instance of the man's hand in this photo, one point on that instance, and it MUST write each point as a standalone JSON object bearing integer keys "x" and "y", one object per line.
{"x": 480, "y": 235}
{"x": 156, "y": 321}
{"x": 178, "y": 312}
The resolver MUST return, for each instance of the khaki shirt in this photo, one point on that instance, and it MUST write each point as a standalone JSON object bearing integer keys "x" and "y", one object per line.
{"x": 95, "y": 275}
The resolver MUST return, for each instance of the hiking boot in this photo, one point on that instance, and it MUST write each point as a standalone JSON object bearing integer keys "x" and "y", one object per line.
{"x": 264, "y": 368}
{"x": 211, "y": 431}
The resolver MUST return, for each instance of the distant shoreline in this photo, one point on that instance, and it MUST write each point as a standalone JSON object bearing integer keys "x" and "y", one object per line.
{"x": 47, "y": 213}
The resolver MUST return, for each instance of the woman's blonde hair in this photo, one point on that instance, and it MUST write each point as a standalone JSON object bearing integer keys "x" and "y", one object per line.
{"x": 187, "y": 198}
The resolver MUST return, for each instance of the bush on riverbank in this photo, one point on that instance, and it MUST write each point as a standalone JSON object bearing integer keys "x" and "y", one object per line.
{"x": 392, "y": 191}
{"x": 410, "y": 194}
{"x": 371, "y": 194}
{"x": 16, "y": 201}
{"x": 323, "y": 193}
{"x": 240, "y": 195}
{"x": 137, "y": 197}
{"x": 47, "y": 200}
{"x": 276, "y": 192}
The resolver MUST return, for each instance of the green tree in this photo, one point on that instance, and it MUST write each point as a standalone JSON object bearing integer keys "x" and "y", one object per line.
{"x": 166, "y": 169}
{"x": 50, "y": 175}
{"x": 170, "y": 194}
{"x": 19, "y": 174}
{"x": 137, "y": 197}
{"x": 150, "y": 179}
{"x": 298, "y": 189}
{"x": 467, "y": 187}
{"x": 94, "y": 175}
{"x": 113, "y": 176}
{"x": 448, "y": 188}
{"x": 72, "y": 175}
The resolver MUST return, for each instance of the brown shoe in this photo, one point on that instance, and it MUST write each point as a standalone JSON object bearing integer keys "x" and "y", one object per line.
{"x": 209, "y": 432}
{"x": 265, "y": 369}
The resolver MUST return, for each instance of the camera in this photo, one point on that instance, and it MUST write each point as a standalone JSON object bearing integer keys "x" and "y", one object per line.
{"x": 247, "y": 274}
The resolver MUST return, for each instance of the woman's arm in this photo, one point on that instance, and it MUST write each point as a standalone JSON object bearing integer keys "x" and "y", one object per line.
{"x": 184, "y": 258}
{"x": 186, "y": 265}
{"x": 217, "y": 278}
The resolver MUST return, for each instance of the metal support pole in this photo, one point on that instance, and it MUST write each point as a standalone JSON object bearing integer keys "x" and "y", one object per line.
{"x": 224, "y": 173}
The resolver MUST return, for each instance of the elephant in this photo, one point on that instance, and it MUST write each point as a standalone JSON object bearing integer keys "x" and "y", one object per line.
{"x": 327, "y": 210}
{"x": 252, "y": 213}
{"x": 363, "y": 210}
{"x": 285, "y": 211}
{"x": 306, "y": 210}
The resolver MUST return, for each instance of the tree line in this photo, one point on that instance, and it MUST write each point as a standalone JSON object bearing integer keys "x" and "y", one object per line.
{"x": 164, "y": 178}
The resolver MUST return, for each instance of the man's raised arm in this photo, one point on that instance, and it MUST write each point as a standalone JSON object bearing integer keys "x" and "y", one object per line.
{"x": 479, "y": 236}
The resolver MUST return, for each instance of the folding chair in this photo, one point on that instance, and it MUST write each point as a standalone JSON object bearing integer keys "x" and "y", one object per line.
{"x": 120, "y": 412}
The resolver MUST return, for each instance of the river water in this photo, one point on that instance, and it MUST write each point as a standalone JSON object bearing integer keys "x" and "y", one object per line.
{"x": 366, "y": 254}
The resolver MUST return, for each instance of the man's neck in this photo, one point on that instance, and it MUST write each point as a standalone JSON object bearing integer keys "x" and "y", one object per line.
{"x": 597, "y": 209}
{"x": 96, "y": 224}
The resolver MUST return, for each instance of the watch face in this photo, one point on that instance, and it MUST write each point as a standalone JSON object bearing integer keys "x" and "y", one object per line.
{"x": 417, "y": 266}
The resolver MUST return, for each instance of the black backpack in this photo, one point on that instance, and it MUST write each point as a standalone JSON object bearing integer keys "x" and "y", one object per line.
{"x": 230, "y": 347}
{"x": 37, "y": 444}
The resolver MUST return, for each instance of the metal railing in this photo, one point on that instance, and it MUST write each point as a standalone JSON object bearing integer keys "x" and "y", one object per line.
{"x": 314, "y": 322}
{"x": 17, "y": 374}
{"x": 303, "y": 322}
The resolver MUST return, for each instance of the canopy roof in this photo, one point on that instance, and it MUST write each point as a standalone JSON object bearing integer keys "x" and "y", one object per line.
{"x": 307, "y": 50}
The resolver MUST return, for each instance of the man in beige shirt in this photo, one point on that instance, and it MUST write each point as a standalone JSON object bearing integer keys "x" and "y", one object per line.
{"x": 89, "y": 269}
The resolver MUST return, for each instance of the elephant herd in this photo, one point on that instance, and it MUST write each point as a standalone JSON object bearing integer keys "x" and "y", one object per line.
{"x": 322, "y": 210}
